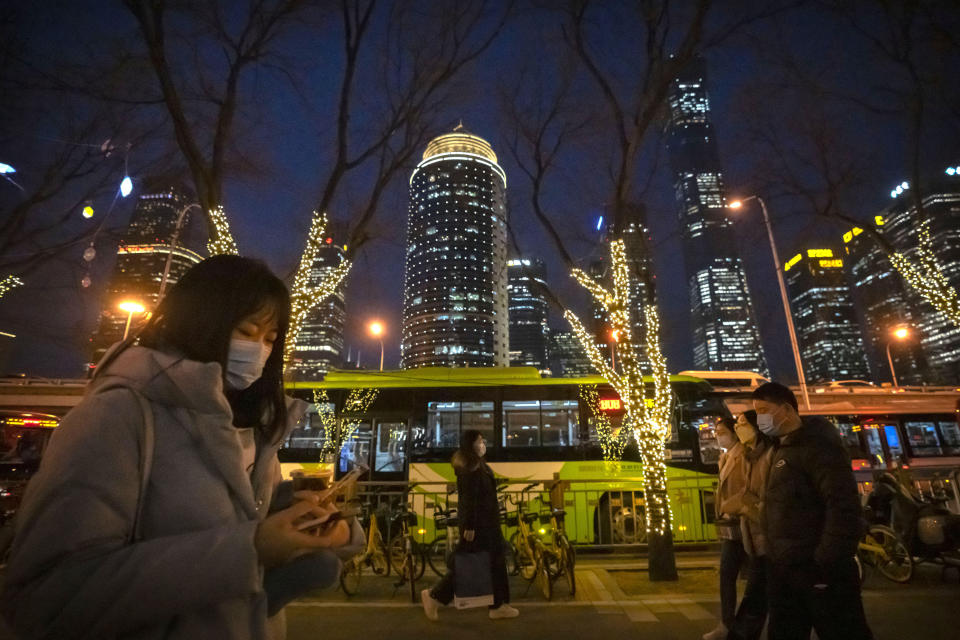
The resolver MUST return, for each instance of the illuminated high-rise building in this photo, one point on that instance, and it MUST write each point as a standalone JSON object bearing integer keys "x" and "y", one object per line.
{"x": 725, "y": 332}
{"x": 567, "y": 357}
{"x": 455, "y": 284}
{"x": 526, "y": 280}
{"x": 142, "y": 256}
{"x": 320, "y": 343}
{"x": 828, "y": 334}
{"x": 931, "y": 352}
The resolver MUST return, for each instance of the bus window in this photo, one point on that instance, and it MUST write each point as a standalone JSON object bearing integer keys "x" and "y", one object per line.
{"x": 521, "y": 423}
{"x": 309, "y": 433}
{"x": 561, "y": 419}
{"x": 391, "y": 440}
{"x": 893, "y": 441}
{"x": 479, "y": 416}
{"x": 951, "y": 437}
{"x": 356, "y": 448}
{"x": 707, "y": 432}
{"x": 443, "y": 425}
{"x": 923, "y": 438}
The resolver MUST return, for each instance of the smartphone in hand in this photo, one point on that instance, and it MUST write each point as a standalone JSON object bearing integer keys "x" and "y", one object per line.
{"x": 327, "y": 520}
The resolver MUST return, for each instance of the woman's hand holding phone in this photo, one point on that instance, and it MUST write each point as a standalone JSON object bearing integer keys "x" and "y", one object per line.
{"x": 278, "y": 539}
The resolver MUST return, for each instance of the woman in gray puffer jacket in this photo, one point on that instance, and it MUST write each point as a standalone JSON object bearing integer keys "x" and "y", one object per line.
{"x": 96, "y": 557}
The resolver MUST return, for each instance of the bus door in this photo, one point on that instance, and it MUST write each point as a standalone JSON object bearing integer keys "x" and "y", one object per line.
{"x": 390, "y": 451}
{"x": 871, "y": 436}
{"x": 355, "y": 449}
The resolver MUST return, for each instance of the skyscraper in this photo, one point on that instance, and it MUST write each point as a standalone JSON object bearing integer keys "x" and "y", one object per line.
{"x": 931, "y": 354}
{"x": 632, "y": 229}
{"x": 567, "y": 357}
{"x": 828, "y": 333}
{"x": 320, "y": 343}
{"x": 455, "y": 285}
{"x": 725, "y": 333}
{"x": 142, "y": 256}
{"x": 528, "y": 313}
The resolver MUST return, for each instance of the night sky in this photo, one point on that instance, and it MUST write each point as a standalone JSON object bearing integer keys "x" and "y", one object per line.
{"x": 285, "y": 131}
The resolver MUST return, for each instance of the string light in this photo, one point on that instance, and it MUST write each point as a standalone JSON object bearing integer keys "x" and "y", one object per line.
{"x": 611, "y": 444}
{"x": 647, "y": 408}
{"x": 926, "y": 276}
{"x": 358, "y": 402}
{"x": 8, "y": 283}
{"x": 222, "y": 241}
{"x": 304, "y": 296}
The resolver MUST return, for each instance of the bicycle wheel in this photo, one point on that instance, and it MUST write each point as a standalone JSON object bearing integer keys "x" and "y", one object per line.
{"x": 511, "y": 556}
{"x": 350, "y": 576}
{"x": 437, "y": 556}
{"x": 568, "y": 557}
{"x": 378, "y": 559}
{"x": 895, "y": 563}
{"x": 542, "y": 575}
{"x": 397, "y": 552}
{"x": 411, "y": 575}
{"x": 524, "y": 560}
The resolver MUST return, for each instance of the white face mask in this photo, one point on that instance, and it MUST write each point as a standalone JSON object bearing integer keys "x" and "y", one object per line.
{"x": 480, "y": 448}
{"x": 245, "y": 362}
{"x": 767, "y": 425}
{"x": 725, "y": 441}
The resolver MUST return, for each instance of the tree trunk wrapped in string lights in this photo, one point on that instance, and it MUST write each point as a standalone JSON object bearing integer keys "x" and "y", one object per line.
{"x": 305, "y": 295}
{"x": 337, "y": 431}
{"x": 222, "y": 241}
{"x": 646, "y": 408}
{"x": 925, "y": 275}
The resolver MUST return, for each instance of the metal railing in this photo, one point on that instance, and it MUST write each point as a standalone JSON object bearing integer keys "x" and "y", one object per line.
{"x": 598, "y": 513}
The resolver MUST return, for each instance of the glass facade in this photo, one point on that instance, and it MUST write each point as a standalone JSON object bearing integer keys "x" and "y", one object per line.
{"x": 528, "y": 313}
{"x": 320, "y": 343}
{"x": 932, "y": 354}
{"x": 828, "y": 334}
{"x": 567, "y": 357}
{"x": 141, "y": 258}
{"x": 455, "y": 288}
{"x": 725, "y": 333}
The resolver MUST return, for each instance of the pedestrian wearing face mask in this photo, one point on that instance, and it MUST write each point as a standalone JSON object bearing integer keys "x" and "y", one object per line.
{"x": 757, "y": 457}
{"x": 811, "y": 515}
{"x": 149, "y": 514}
{"x": 479, "y": 513}
{"x": 732, "y": 484}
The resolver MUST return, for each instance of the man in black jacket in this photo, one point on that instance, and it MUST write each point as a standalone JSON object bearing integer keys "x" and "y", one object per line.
{"x": 812, "y": 520}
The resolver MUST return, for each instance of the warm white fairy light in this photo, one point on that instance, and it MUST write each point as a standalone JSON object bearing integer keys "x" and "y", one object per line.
{"x": 337, "y": 431}
{"x": 611, "y": 444}
{"x": 8, "y": 283}
{"x": 304, "y": 295}
{"x": 646, "y": 410}
{"x": 222, "y": 241}
{"x": 926, "y": 276}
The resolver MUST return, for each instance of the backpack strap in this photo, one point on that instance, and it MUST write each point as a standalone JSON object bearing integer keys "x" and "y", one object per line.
{"x": 145, "y": 443}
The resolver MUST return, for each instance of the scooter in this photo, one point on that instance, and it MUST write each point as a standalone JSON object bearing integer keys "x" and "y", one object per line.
{"x": 930, "y": 531}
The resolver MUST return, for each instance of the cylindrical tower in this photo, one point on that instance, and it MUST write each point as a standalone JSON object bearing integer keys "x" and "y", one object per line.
{"x": 455, "y": 286}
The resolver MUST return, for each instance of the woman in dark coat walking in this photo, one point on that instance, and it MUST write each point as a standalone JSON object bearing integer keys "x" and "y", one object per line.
{"x": 479, "y": 513}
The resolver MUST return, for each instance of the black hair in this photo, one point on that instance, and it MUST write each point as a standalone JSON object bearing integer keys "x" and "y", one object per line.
{"x": 751, "y": 417}
{"x": 197, "y": 318}
{"x": 465, "y": 457}
{"x": 776, "y": 392}
{"x": 729, "y": 423}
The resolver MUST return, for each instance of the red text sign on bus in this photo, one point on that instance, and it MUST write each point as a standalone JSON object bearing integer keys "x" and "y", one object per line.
{"x": 610, "y": 404}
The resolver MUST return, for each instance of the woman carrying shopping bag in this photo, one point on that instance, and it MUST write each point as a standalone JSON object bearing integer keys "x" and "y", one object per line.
{"x": 479, "y": 514}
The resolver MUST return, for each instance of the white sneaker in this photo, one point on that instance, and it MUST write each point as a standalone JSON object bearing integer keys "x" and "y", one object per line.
{"x": 431, "y": 607}
{"x": 503, "y": 611}
{"x": 720, "y": 633}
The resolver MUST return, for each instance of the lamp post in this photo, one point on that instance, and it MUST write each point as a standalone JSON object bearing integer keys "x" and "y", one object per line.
{"x": 736, "y": 204}
{"x": 376, "y": 330}
{"x": 614, "y": 339}
{"x": 900, "y": 333}
{"x": 131, "y": 308}
{"x": 173, "y": 245}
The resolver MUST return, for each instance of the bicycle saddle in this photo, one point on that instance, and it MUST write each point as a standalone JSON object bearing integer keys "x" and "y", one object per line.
{"x": 530, "y": 517}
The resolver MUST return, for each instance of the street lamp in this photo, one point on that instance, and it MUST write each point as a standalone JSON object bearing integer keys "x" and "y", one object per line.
{"x": 376, "y": 330}
{"x": 900, "y": 333}
{"x": 131, "y": 308}
{"x": 737, "y": 204}
{"x": 614, "y": 339}
{"x": 173, "y": 245}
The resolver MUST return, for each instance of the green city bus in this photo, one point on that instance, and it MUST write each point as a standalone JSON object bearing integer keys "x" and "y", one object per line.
{"x": 539, "y": 430}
